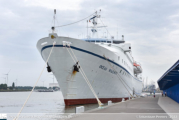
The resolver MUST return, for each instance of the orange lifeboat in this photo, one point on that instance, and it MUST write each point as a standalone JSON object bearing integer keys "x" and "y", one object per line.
{"x": 137, "y": 68}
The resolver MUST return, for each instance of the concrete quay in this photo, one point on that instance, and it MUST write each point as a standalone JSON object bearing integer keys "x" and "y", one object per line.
{"x": 157, "y": 108}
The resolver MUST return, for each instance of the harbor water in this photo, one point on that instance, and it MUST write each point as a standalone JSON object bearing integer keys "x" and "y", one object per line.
{"x": 40, "y": 103}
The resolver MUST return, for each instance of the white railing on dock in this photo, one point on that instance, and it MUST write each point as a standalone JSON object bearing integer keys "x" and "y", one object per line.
{"x": 109, "y": 102}
{"x": 80, "y": 109}
{"x": 123, "y": 100}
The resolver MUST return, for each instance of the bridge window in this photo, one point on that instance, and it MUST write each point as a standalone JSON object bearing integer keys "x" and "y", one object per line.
{"x": 103, "y": 41}
{"x": 90, "y": 40}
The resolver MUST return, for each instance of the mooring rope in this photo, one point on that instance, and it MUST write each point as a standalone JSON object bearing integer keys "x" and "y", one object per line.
{"x": 84, "y": 74}
{"x": 85, "y": 77}
{"x": 35, "y": 83}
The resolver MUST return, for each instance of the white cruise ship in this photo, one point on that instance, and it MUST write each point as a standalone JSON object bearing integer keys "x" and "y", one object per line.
{"x": 109, "y": 68}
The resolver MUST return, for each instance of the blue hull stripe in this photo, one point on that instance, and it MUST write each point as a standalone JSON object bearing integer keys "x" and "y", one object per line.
{"x": 90, "y": 54}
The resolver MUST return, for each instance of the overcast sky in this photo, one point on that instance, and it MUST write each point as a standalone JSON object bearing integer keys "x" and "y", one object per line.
{"x": 151, "y": 26}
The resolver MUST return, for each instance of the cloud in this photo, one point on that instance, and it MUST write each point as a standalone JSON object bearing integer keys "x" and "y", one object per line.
{"x": 58, "y": 4}
{"x": 151, "y": 26}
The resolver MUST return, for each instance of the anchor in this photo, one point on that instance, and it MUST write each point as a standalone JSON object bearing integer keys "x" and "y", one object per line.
{"x": 48, "y": 68}
{"x": 76, "y": 67}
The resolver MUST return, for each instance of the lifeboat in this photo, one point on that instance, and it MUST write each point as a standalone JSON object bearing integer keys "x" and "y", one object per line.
{"x": 137, "y": 68}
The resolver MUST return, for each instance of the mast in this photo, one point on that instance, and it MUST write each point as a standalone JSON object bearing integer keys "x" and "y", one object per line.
{"x": 94, "y": 18}
{"x": 95, "y": 23}
{"x": 54, "y": 16}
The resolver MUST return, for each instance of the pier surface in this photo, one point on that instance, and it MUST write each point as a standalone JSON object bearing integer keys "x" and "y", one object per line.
{"x": 135, "y": 109}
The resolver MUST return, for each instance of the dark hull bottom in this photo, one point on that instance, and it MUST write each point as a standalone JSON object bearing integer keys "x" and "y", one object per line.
{"x": 91, "y": 101}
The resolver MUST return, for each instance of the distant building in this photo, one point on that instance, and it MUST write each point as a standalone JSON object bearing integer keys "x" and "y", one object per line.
{"x": 53, "y": 85}
{"x": 169, "y": 82}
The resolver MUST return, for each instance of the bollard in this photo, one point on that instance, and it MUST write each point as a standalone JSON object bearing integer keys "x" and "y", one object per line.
{"x": 109, "y": 102}
{"x": 129, "y": 98}
{"x": 80, "y": 109}
{"x": 77, "y": 110}
{"x": 123, "y": 100}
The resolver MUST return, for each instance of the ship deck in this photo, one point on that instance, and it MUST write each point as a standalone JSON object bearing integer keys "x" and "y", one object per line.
{"x": 135, "y": 109}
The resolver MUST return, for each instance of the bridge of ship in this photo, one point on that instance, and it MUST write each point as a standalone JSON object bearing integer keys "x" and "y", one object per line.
{"x": 100, "y": 40}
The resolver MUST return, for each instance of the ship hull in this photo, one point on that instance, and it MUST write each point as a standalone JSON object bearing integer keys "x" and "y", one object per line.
{"x": 107, "y": 84}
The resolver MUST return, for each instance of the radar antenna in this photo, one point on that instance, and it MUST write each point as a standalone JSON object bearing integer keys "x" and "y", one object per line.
{"x": 95, "y": 22}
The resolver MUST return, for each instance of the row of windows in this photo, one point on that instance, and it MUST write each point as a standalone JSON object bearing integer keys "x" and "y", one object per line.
{"x": 102, "y": 41}
{"x": 125, "y": 63}
{"x": 124, "y": 73}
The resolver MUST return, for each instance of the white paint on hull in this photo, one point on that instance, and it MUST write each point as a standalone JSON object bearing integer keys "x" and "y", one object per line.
{"x": 104, "y": 83}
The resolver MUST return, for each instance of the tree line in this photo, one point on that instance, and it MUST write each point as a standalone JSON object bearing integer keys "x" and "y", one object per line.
{"x": 4, "y": 87}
